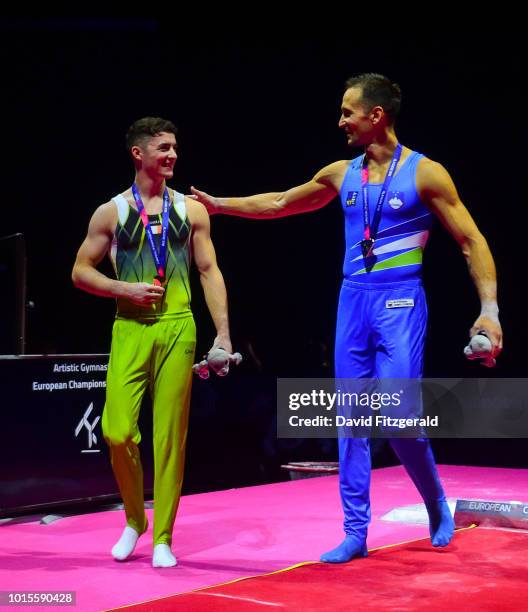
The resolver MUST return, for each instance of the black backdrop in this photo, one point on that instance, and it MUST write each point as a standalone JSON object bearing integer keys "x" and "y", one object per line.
{"x": 256, "y": 114}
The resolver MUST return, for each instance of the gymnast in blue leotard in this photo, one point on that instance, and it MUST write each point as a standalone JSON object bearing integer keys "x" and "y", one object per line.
{"x": 389, "y": 195}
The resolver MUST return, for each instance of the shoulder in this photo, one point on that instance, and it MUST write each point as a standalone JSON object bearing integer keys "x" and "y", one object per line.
{"x": 434, "y": 183}
{"x": 430, "y": 170}
{"x": 104, "y": 217}
{"x": 333, "y": 174}
{"x": 196, "y": 211}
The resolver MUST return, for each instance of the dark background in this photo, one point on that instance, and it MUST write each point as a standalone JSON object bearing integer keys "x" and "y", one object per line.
{"x": 259, "y": 114}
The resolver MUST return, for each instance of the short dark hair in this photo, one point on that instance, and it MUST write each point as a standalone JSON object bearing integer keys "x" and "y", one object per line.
{"x": 146, "y": 128}
{"x": 378, "y": 90}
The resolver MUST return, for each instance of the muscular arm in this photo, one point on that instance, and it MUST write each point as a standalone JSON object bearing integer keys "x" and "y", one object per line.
{"x": 210, "y": 276}
{"x": 310, "y": 196}
{"x": 95, "y": 246}
{"x": 438, "y": 191}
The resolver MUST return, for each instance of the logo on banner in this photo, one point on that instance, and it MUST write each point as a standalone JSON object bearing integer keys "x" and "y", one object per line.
{"x": 89, "y": 427}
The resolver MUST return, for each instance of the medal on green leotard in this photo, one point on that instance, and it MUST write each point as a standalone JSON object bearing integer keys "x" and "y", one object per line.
{"x": 160, "y": 258}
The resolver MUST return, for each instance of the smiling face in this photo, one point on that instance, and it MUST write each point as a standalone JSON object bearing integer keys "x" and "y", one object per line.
{"x": 358, "y": 122}
{"x": 156, "y": 155}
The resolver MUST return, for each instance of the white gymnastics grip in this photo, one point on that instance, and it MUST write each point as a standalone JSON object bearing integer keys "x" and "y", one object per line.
{"x": 480, "y": 347}
{"x": 217, "y": 360}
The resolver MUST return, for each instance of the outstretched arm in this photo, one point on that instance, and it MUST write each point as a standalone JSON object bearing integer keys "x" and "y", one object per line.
{"x": 95, "y": 246}
{"x": 437, "y": 190}
{"x": 305, "y": 198}
{"x": 210, "y": 276}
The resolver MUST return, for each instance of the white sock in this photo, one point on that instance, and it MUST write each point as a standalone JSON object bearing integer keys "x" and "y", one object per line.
{"x": 126, "y": 544}
{"x": 163, "y": 556}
